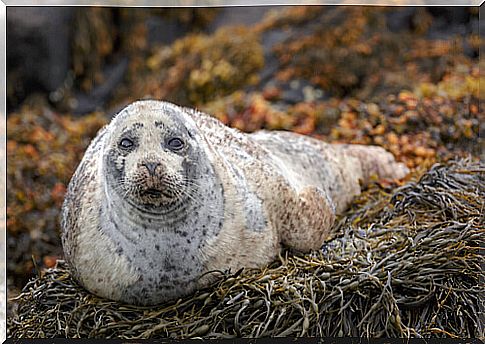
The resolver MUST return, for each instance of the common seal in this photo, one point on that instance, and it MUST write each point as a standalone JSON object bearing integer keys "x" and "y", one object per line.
{"x": 165, "y": 195}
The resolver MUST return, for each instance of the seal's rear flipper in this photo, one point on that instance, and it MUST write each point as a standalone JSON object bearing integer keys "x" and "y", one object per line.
{"x": 375, "y": 160}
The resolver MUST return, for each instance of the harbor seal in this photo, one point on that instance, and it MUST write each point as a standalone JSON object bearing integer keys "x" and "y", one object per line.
{"x": 166, "y": 196}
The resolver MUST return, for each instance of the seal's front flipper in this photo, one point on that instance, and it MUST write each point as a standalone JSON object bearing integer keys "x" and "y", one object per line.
{"x": 308, "y": 221}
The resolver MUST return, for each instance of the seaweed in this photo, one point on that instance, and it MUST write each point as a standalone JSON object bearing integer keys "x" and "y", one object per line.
{"x": 43, "y": 149}
{"x": 404, "y": 263}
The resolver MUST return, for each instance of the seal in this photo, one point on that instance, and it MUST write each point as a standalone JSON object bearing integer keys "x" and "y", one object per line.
{"x": 165, "y": 197}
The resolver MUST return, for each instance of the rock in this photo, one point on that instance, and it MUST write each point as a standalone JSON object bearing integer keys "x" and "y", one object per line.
{"x": 164, "y": 30}
{"x": 400, "y": 19}
{"x": 300, "y": 90}
{"x": 271, "y": 64}
{"x": 38, "y": 50}
{"x": 452, "y": 15}
{"x": 246, "y": 16}
{"x": 86, "y": 103}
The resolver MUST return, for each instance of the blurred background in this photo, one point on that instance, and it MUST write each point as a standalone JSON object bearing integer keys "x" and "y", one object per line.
{"x": 405, "y": 78}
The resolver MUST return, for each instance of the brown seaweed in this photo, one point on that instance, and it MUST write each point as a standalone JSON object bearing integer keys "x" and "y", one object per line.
{"x": 404, "y": 263}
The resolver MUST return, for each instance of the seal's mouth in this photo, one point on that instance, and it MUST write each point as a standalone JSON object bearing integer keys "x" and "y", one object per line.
{"x": 153, "y": 192}
{"x": 157, "y": 193}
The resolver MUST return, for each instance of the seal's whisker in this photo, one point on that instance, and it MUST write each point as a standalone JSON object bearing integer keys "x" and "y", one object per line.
{"x": 192, "y": 197}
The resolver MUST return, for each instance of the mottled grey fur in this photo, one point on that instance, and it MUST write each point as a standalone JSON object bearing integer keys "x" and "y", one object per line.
{"x": 142, "y": 234}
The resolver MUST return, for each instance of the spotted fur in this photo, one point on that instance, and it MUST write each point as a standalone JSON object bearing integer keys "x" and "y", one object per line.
{"x": 146, "y": 224}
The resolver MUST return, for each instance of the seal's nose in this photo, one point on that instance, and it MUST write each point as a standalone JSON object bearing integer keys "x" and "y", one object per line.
{"x": 151, "y": 167}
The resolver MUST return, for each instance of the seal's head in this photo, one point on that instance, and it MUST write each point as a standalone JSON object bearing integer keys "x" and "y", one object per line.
{"x": 149, "y": 155}
{"x": 142, "y": 205}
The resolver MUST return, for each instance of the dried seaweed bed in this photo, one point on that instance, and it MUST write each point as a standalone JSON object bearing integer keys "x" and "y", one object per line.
{"x": 407, "y": 263}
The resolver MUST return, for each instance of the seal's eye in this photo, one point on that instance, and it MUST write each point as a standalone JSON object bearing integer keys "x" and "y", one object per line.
{"x": 175, "y": 143}
{"x": 126, "y": 143}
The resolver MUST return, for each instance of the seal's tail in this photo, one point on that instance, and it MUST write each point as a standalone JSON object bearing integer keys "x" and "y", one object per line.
{"x": 375, "y": 161}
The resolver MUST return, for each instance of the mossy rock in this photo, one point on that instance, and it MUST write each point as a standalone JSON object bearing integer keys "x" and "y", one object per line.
{"x": 200, "y": 68}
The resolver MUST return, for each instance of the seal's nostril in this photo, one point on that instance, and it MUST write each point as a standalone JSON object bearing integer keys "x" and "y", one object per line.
{"x": 151, "y": 167}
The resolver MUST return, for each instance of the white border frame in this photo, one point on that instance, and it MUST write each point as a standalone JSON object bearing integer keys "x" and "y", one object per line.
{"x": 228, "y": 3}
{"x": 140, "y": 3}
{"x": 3, "y": 173}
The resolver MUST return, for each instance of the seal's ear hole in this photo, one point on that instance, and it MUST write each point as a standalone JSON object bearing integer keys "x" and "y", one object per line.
{"x": 191, "y": 134}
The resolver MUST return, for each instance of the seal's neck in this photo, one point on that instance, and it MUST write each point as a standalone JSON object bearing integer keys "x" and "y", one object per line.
{"x": 165, "y": 250}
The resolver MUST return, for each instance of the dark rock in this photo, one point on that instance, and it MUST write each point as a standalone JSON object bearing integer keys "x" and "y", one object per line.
{"x": 451, "y": 15}
{"x": 482, "y": 22}
{"x": 468, "y": 50}
{"x": 449, "y": 22}
{"x": 446, "y": 21}
{"x": 239, "y": 16}
{"x": 271, "y": 63}
{"x": 273, "y": 37}
{"x": 164, "y": 31}
{"x": 38, "y": 50}
{"x": 86, "y": 103}
{"x": 299, "y": 90}
{"x": 400, "y": 19}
